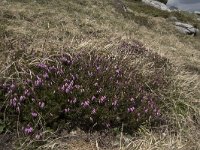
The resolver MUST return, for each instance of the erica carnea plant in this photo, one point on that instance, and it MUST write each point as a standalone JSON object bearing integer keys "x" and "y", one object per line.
{"x": 88, "y": 90}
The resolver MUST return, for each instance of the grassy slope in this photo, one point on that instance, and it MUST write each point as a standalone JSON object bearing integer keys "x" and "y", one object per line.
{"x": 40, "y": 27}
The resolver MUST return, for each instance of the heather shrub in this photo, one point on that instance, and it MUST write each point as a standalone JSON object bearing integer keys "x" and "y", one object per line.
{"x": 89, "y": 90}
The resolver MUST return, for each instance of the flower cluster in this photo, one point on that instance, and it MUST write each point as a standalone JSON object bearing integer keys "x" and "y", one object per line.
{"x": 83, "y": 90}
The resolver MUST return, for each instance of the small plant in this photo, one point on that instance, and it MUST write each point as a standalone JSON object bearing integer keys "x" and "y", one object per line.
{"x": 88, "y": 90}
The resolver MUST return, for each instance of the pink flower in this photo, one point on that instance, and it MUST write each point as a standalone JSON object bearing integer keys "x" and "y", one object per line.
{"x": 41, "y": 65}
{"x": 41, "y": 104}
{"x": 102, "y": 99}
{"x": 118, "y": 71}
{"x": 18, "y": 109}
{"x": 131, "y": 109}
{"x": 22, "y": 98}
{"x": 66, "y": 110}
{"x": 114, "y": 103}
{"x": 28, "y": 129}
{"x": 38, "y": 82}
{"x": 85, "y": 103}
{"x": 94, "y": 111}
{"x": 13, "y": 102}
{"x": 34, "y": 114}
{"x": 27, "y": 92}
{"x": 67, "y": 90}
{"x": 93, "y": 98}
{"x": 46, "y": 76}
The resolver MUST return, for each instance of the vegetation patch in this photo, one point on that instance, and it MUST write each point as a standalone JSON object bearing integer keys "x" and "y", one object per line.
{"x": 92, "y": 91}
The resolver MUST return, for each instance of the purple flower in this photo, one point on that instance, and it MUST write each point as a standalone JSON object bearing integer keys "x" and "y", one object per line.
{"x": 63, "y": 88}
{"x": 13, "y": 102}
{"x": 66, "y": 110}
{"x": 41, "y": 65}
{"x": 41, "y": 104}
{"x": 102, "y": 99}
{"x": 28, "y": 81}
{"x": 94, "y": 111}
{"x": 131, "y": 109}
{"x": 65, "y": 60}
{"x": 98, "y": 67}
{"x": 114, "y": 103}
{"x": 27, "y": 92}
{"x": 22, "y": 98}
{"x": 18, "y": 109}
{"x": 28, "y": 129}
{"x": 34, "y": 114}
{"x": 52, "y": 69}
{"x": 38, "y": 82}
{"x": 12, "y": 86}
{"x": 46, "y": 76}
{"x": 118, "y": 71}
{"x": 67, "y": 87}
{"x": 158, "y": 112}
{"x": 67, "y": 90}
{"x": 85, "y": 103}
{"x": 74, "y": 100}
{"x": 93, "y": 98}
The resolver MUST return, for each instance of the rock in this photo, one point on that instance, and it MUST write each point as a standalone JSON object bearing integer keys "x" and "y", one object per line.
{"x": 186, "y": 28}
{"x": 172, "y": 18}
{"x": 197, "y": 12}
{"x": 157, "y": 5}
{"x": 173, "y": 8}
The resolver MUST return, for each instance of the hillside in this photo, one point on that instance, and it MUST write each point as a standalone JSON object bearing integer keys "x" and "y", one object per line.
{"x": 33, "y": 31}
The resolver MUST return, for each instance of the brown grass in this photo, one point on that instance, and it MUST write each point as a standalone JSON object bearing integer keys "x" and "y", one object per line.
{"x": 40, "y": 29}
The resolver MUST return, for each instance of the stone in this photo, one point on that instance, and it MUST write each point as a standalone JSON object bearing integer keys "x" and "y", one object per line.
{"x": 172, "y": 18}
{"x": 156, "y": 4}
{"x": 197, "y": 12}
{"x": 173, "y": 8}
{"x": 186, "y": 28}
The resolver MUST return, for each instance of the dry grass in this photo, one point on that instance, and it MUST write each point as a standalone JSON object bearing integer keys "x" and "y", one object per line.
{"x": 39, "y": 29}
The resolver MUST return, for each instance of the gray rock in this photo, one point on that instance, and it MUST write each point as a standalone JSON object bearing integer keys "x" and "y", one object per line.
{"x": 173, "y": 8}
{"x": 157, "y": 5}
{"x": 197, "y": 12}
{"x": 185, "y": 25}
{"x": 186, "y": 28}
{"x": 173, "y": 18}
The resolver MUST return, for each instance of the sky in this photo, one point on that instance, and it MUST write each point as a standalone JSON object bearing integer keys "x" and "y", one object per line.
{"x": 191, "y": 5}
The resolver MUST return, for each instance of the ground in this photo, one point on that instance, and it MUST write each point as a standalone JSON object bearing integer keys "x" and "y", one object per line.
{"x": 40, "y": 27}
